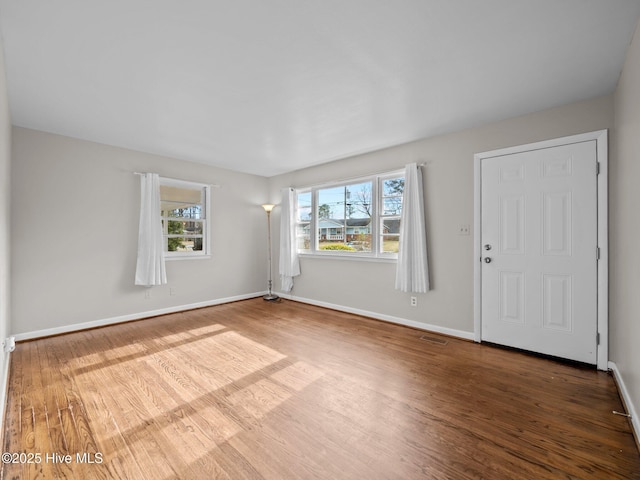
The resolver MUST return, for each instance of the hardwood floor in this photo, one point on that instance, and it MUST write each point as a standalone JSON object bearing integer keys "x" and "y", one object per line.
{"x": 260, "y": 390}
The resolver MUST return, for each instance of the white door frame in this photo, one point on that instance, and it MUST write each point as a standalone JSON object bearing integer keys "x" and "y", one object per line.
{"x": 600, "y": 137}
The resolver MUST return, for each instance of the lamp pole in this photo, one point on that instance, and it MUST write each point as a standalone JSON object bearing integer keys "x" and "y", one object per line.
{"x": 270, "y": 296}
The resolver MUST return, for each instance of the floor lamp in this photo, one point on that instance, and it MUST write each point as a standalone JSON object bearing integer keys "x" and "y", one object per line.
{"x": 269, "y": 296}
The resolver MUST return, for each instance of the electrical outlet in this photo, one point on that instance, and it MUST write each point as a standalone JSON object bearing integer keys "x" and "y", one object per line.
{"x": 414, "y": 301}
{"x": 464, "y": 230}
{"x": 147, "y": 293}
{"x": 172, "y": 291}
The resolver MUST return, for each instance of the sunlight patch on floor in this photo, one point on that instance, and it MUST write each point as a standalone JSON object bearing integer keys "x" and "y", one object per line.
{"x": 298, "y": 376}
{"x": 260, "y": 398}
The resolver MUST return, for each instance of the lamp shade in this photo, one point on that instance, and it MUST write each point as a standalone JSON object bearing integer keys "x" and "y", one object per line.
{"x": 268, "y": 207}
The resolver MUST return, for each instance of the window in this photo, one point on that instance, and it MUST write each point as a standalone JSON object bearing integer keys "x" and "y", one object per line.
{"x": 184, "y": 207}
{"x": 390, "y": 211}
{"x": 303, "y": 221}
{"x": 359, "y": 218}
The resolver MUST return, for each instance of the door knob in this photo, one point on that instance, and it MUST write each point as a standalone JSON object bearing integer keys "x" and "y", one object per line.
{"x": 487, "y": 260}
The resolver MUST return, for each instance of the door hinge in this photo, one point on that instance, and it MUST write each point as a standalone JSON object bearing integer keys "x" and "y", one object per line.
{"x": 598, "y": 338}
{"x": 597, "y": 168}
{"x": 597, "y": 253}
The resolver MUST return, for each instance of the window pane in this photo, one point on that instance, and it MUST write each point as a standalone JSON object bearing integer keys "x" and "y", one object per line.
{"x": 175, "y": 226}
{"x": 192, "y": 228}
{"x": 391, "y": 226}
{"x": 393, "y": 186}
{"x": 304, "y": 207}
{"x": 182, "y": 202}
{"x": 392, "y": 189}
{"x": 303, "y": 243}
{"x": 344, "y": 218}
{"x": 390, "y": 235}
{"x": 390, "y": 243}
{"x": 303, "y": 219}
{"x": 303, "y": 239}
{"x": 185, "y": 244}
{"x": 392, "y": 206}
{"x": 175, "y": 244}
{"x": 191, "y": 212}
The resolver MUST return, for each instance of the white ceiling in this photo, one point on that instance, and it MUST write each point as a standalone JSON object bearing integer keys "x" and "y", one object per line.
{"x": 270, "y": 86}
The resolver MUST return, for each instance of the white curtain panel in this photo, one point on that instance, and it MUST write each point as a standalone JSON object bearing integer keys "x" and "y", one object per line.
{"x": 150, "y": 268}
{"x": 289, "y": 261}
{"x": 412, "y": 271}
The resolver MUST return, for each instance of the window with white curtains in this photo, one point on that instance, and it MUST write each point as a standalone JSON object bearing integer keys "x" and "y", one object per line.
{"x": 184, "y": 208}
{"x": 358, "y": 218}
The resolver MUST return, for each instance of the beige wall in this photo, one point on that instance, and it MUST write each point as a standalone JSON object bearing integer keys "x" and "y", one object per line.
{"x": 75, "y": 209}
{"x": 5, "y": 168}
{"x": 448, "y": 176}
{"x": 624, "y": 232}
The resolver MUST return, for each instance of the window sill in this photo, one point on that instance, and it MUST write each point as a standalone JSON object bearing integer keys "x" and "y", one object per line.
{"x": 187, "y": 257}
{"x": 357, "y": 258}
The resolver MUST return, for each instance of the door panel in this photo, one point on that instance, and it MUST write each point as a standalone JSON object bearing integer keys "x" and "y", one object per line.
{"x": 512, "y": 297}
{"x": 539, "y": 240}
{"x": 512, "y": 218}
{"x": 556, "y": 302}
{"x": 556, "y": 223}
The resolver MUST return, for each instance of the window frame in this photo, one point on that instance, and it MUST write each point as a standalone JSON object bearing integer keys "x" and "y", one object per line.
{"x": 377, "y": 217}
{"x": 205, "y": 253}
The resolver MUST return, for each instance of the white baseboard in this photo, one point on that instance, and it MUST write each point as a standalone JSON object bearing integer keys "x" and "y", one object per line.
{"x": 628, "y": 403}
{"x": 386, "y": 318}
{"x": 127, "y": 318}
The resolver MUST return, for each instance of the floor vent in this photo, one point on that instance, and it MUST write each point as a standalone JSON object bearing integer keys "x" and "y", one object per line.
{"x": 439, "y": 341}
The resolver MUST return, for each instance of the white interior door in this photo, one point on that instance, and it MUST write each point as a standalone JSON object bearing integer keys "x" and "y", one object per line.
{"x": 539, "y": 238}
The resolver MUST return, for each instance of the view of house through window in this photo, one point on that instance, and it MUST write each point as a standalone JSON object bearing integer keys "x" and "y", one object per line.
{"x": 183, "y": 208}
{"x": 344, "y": 217}
{"x": 361, "y": 217}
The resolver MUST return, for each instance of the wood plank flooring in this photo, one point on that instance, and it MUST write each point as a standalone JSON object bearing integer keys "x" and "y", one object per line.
{"x": 260, "y": 390}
